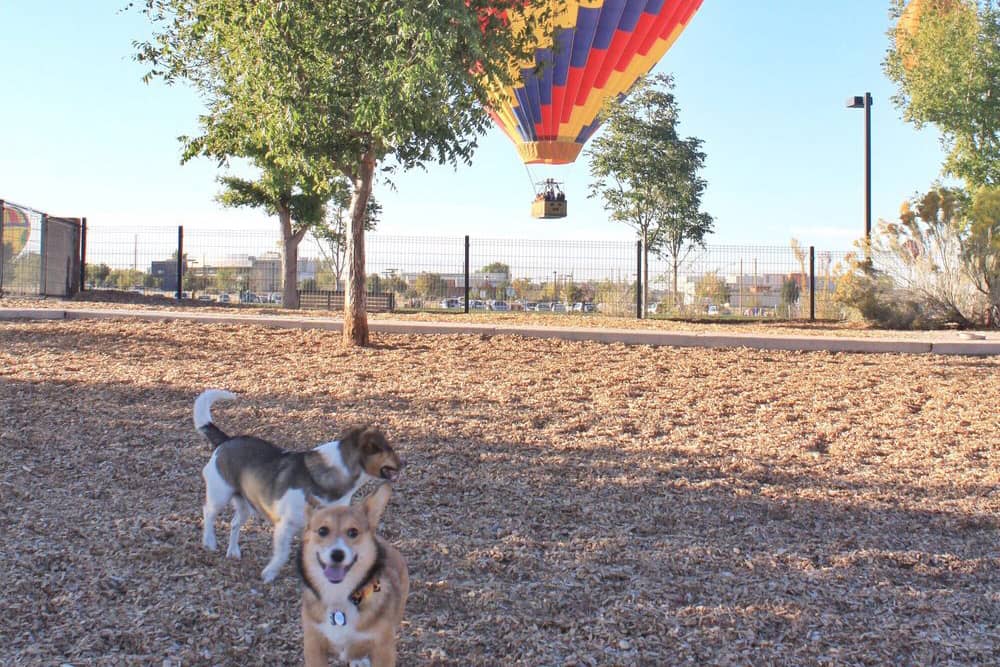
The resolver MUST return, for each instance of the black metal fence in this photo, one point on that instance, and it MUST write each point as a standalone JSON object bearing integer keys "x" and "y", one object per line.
{"x": 471, "y": 274}
{"x": 40, "y": 255}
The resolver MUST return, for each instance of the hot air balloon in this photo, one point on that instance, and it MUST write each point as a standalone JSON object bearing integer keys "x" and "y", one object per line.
{"x": 597, "y": 50}
{"x": 16, "y": 230}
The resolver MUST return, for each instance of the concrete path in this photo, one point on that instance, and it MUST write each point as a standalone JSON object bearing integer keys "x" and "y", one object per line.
{"x": 945, "y": 342}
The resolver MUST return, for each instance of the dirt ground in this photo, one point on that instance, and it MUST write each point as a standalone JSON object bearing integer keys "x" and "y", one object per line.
{"x": 565, "y": 503}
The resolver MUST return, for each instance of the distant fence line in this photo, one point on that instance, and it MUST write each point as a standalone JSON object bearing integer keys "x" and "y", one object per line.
{"x": 470, "y": 273}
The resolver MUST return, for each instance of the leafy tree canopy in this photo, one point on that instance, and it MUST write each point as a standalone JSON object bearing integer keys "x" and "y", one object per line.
{"x": 497, "y": 267}
{"x": 945, "y": 60}
{"x": 340, "y": 86}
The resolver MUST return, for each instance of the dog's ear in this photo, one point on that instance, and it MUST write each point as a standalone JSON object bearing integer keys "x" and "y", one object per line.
{"x": 372, "y": 442}
{"x": 375, "y": 505}
{"x": 312, "y": 504}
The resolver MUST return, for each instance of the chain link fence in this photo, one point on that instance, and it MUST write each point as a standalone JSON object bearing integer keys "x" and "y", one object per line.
{"x": 455, "y": 274}
{"x": 39, "y": 253}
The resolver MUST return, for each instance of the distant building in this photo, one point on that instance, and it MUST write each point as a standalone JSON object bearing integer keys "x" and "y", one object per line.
{"x": 166, "y": 273}
{"x": 265, "y": 273}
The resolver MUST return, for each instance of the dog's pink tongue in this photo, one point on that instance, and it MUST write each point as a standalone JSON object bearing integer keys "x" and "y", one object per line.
{"x": 335, "y": 573}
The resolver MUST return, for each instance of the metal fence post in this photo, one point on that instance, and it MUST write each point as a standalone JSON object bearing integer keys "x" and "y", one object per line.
{"x": 83, "y": 254}
{"x": 466, "y": 274}
{"x": 41, "y": 260}
{"x": 3, "y": 215}
{"x": 812, "y": 283}
{"x": 180, "y": 261}
{"x": 638, "y": 280}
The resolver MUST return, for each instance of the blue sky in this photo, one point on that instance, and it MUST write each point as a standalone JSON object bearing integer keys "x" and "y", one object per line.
{"x": 762, "y": 82}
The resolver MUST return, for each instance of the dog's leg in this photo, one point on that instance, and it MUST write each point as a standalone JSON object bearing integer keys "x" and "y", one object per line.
{"x": 284, "y": 530}
{"x": 363, "y": 662}
{"x": 314, "y": 645}
{"x": 384, "y": 653}
{"x": 241, "y": 512}
{"x": 217, "y": 495}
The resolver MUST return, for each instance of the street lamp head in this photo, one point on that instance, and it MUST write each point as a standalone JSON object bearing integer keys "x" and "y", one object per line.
{"x": 858, "y": 101}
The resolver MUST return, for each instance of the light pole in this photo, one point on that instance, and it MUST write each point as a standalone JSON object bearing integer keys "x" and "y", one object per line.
{"x": 865, "y": 102}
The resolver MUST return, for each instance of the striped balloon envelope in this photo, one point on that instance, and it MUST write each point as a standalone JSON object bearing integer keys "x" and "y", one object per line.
{"x": 596, "y": 51}
{"x": 16, "y": 230}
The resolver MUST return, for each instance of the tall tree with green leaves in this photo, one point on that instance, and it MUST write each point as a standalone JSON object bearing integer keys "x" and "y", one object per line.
{"x": 944, "y": 58}
{"x": 647, "y": 174}
{"x": 341, "y": 86}
{"x": 299, "y": 205}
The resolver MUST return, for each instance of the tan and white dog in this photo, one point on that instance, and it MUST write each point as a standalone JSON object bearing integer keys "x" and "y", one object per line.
{"x": 258, "y": 477}
{"x": 355, "y": 585}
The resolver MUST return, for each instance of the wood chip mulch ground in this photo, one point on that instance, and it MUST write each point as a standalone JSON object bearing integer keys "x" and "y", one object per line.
{"x": 565, "y": 503}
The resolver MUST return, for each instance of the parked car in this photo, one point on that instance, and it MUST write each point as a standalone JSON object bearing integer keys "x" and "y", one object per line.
{"x": 558, "y": 307}
{"x": 477, "y": 305}
{"x": 224, "y": 298}
{"x": 530, "y": 306}
{"x": 713, "y": 310}
{"x": 500, "y": 306}
{"x": 450, "y": 303}
{"x": 543, "y": 307}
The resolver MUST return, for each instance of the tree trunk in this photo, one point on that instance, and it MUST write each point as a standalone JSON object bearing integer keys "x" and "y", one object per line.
{"x": 645, "y": 276}
{"x": 355, "y": 314}
{"x": 674, "y": 292}
{"x": 289, "y": 259}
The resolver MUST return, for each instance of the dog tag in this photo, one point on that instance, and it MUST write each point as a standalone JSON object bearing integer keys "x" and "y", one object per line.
{"x": 338, "y": 618}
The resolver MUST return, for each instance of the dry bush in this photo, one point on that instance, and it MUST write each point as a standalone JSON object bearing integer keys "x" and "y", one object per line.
{"x": 939, "y": 264}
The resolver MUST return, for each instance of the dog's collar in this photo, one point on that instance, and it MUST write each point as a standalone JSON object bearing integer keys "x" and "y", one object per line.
{"x": 370, "y": 584}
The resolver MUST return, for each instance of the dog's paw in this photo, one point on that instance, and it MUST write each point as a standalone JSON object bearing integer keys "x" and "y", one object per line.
{"x": 269, "y": 574}
{"x": 233, "y": 553}
{"x": 211, "y": 545}
{"x": 363, "y": 662}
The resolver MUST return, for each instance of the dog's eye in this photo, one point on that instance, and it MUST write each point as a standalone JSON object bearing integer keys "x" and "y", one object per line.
{"x": 352, "y": 533}
{"x": 323, "y": 531}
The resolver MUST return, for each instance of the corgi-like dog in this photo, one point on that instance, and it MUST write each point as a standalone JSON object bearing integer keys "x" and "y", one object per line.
{"x": 354, "y": 585}
{"x": 258, "y": 477}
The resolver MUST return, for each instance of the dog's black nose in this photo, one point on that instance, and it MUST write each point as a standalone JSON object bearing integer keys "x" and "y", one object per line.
{"x": 337, "y": 555}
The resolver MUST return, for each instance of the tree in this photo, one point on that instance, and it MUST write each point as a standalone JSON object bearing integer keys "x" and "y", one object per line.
{"x": 296, "y": 199}
{"x": 343, "y": 86}
{"x": 712, "y": 288}
{"x": 332, "y": 234}
{"x": 225, "y": 277}
{"x": 945, "y": 61}
{"x": 790, "y": 293}
{"x": 648, "y": 176}
{"x": 981, "y": 250}
{"x": 497, "y": 267}
{"x": 430, "y": 284}
{"x": 97, "y": 274}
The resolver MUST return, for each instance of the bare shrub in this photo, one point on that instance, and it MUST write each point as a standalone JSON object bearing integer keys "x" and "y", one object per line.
{"x": 940, "y": 263}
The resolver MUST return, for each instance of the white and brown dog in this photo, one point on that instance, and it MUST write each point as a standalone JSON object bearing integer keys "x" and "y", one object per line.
{"x": 256, "y": 476}
{"x": 355, "y": 585}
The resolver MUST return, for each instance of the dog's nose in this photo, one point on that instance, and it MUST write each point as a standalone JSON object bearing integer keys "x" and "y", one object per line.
{"x": 337, "y": 555}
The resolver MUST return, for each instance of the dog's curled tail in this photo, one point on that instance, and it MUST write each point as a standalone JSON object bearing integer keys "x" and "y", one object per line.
{"x": 203, "y": 414}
